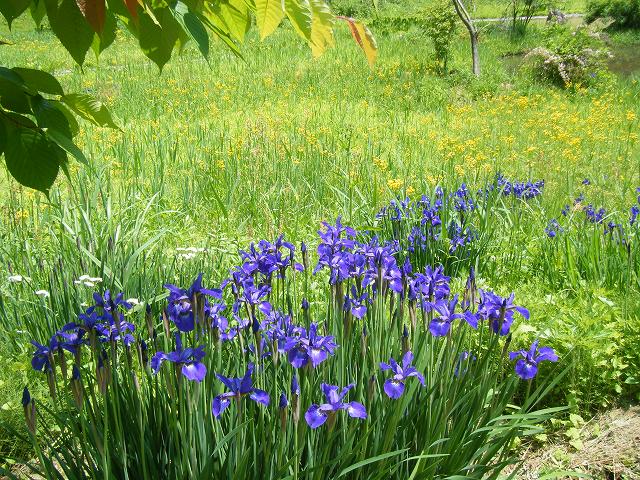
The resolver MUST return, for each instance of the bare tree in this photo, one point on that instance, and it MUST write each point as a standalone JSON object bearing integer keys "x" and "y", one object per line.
{"x": 473, "y": 34}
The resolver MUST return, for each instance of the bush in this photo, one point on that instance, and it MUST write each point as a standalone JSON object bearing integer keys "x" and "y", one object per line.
{"x": 624, "y": 13}
{"x": 569, "y": 57}
{"x": 352, "y": 8}
{"x": 440, "y": 27}
{"x": 438, "y": 22}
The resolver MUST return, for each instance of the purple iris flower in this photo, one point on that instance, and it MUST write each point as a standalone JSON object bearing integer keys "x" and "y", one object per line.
{"x": 41, "y": 359}
{"x": 73, "y": 338}
{"x": 108, "y": 303}
{"x": 394, "y": 386}
{"x": 493, "y": 307}
{"x": 433, "y": 283}
{"x": 239, "y": 387}
{"x": 189, "y": 358}
{"x": 440, "y": 325}
{"x": 527, "y": 366}
{"x": 356, "y": 304}
{"x": 181, "y": 314}
{"x": 317, "y": 415}
{"x": 178, "y": 295}
{"x": 268, "y": 258}
{"x": 335, "y": 242}
{"x": 311, "y": 347}
{"x": 214, "y": 313}
{"x": 635, "y": 211}
{"x": 109, "y": 331}
{"x": 553, "y": 228}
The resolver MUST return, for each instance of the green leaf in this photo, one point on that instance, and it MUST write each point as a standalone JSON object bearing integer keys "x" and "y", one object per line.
{"x": 12, "y": 9}
{"x": 12, "y": 91}
{"x": 38, "y": 12}
{"x": 70, "y": 27}
{"x": 321, "y": 27}
{"x": 48, "y": 116}
{"x": 89, "y": 108}
{"x": 101, "y": 42}
{"x": 194, "y": 28}
{"x": 73, "y": 123}
{"x": 299, "y": 13}
{"x": 368, "y": 461}
{"x": 10, "y": 76}
{"x": 269, "y": 14}
{"x": 31, "y": 159}
{"x": 67, "y": 144}
{"x": 3, "y": 136}
{"x": 236, "y": 17}
{"x": 39, "y": 81}
{"x": 216, "y": 24}
{"x": 157, "y": 39}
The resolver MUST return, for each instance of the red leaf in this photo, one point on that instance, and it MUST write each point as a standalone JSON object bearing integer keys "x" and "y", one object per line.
{"x": 94, "y": 12}
{"x": 132, "y": 6}
{"x": 363, "y": 37}
{"x": 352, "y": 26}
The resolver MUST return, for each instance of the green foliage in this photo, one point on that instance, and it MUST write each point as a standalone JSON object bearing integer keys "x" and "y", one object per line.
{"x": 594, "y": 332}
{"x": 440, "y": 26}
{"x": 521, "y": 12}
{"x": 34, "y": 153}
{"x": 624, "y": 13}
{"x": 354, "y": 8}
{"x": 36, "y": 132}
{"x": 213, "y": 163}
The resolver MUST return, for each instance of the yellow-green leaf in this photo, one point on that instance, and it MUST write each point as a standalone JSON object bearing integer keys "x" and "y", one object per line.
{"x": 299, "y": 13}
{"x": 236, "y": 15}
{"x": 269, "y": 14}
{"x": 321, "y": 27}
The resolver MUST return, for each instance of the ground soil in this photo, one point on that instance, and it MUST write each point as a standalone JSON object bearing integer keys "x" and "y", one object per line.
{"x": 610, "y": 450}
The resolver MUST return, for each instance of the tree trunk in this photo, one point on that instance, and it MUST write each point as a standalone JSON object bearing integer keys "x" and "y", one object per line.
{"x": 473, "y": 34}
{"x": 474, "y": 53}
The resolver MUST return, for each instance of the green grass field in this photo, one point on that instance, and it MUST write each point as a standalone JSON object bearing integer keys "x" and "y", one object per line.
{"x": 214, "y": 156}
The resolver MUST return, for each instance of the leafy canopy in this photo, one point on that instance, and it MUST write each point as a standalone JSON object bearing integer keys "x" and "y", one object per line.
{"x": 38, "y": 119}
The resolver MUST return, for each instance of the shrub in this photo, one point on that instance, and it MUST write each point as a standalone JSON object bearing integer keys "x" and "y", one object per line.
{"x": 569, "y": 57}
{"x": 352, "y": 8}
{"x": 624, "y": 13}
{"x": 440, "y": 27}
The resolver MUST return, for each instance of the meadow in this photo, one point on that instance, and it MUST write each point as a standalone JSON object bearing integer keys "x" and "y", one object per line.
{"x": 212, "y": 156}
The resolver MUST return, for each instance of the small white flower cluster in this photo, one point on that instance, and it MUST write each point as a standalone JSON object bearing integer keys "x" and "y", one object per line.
{"x": 188, "y": 253}
{"x": 133, "y": 301}
{"x": 17, "y": 279}
{"x": 88, "y": 281}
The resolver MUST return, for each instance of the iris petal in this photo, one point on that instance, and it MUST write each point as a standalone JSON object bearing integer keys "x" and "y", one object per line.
{"x": 260, "y": 396}
{"x": 314, "y": 417}
{"x": 194, "y": 371}
{"x": 394, "y": 389}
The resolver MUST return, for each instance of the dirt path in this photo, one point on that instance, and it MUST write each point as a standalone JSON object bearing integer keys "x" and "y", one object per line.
{"x": 610, "y": 450}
